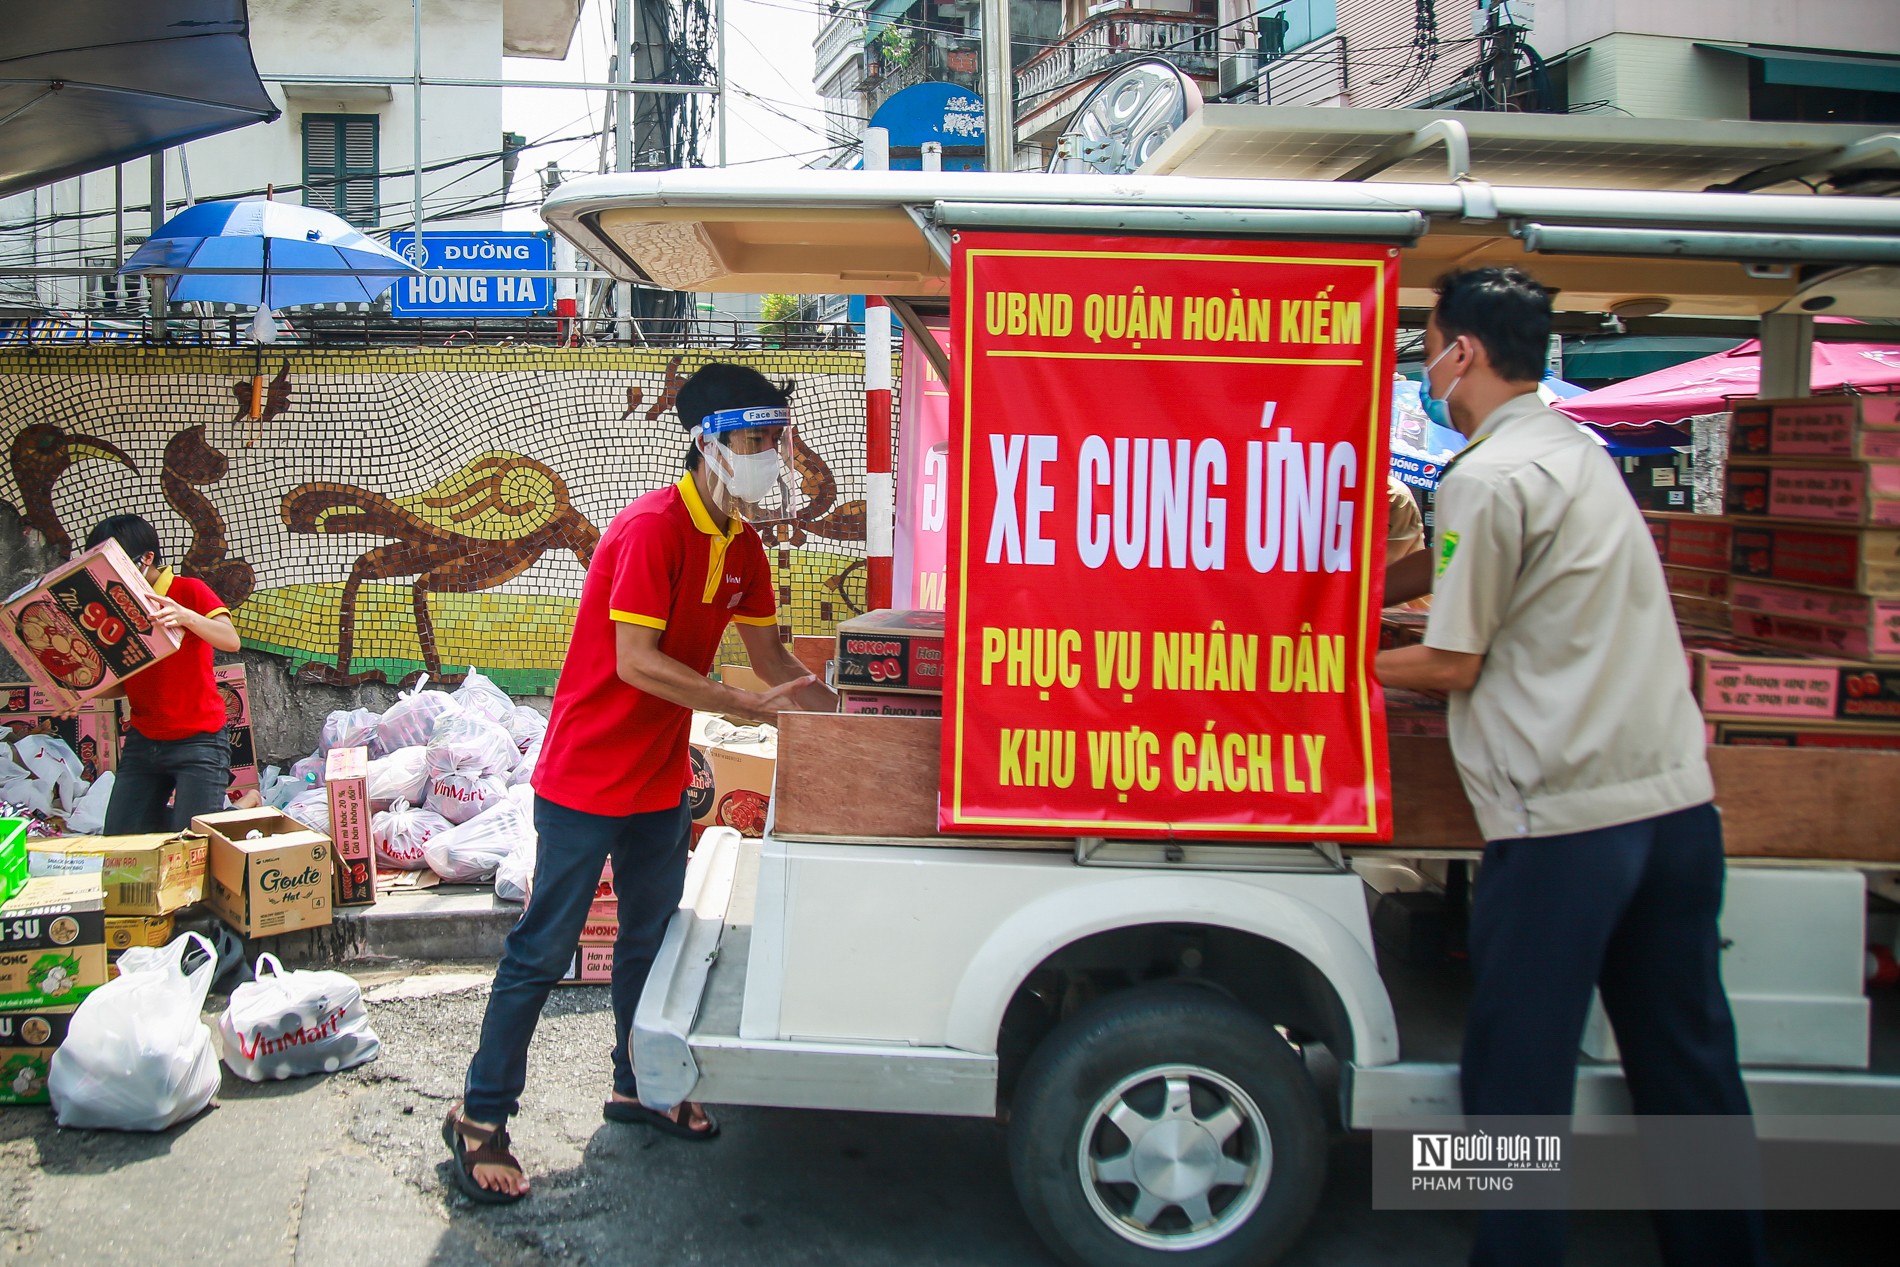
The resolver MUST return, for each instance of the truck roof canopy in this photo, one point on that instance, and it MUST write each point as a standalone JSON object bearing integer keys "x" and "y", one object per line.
{"x": 1599, "y": 244}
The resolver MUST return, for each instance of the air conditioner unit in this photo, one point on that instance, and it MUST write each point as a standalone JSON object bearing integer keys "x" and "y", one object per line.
{"x": 1237, "y": 71}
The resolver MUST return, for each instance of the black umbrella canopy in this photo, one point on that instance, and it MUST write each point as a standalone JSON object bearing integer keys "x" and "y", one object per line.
{"x": 85, "y": 84}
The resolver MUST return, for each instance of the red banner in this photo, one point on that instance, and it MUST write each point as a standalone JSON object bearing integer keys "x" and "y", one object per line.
{"x": 1167, "y": 536}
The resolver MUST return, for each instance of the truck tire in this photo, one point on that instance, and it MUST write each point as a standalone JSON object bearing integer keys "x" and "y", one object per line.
{"x": 1167, "y": 1125}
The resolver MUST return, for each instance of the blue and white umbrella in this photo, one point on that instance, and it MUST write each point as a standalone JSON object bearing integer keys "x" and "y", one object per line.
{"x": 268, "y": 255}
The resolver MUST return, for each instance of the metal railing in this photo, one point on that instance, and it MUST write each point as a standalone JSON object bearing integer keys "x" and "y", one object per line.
{"x": 841, "y": 32}
{"x": 371, "y": 329}
{"x": 1103, "y": 42}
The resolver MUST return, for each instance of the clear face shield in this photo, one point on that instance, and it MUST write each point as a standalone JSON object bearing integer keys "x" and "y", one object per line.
{"x": 748, "y": 455}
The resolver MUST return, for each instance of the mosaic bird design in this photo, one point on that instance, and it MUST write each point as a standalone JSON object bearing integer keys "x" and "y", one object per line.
{"x": 41, "y": 454}
{"x": 476, "y": 529}
{"x": 191, "y": 463}
{"x": 276, "y": 397}
{"x": 823, "y": 515}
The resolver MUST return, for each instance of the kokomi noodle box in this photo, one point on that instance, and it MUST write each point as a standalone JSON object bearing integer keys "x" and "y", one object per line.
{"x": 86, "y": 626}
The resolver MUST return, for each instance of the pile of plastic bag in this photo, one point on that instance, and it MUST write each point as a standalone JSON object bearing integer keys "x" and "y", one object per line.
{"x": 42, "y": 780}
{"x": 447, "y": 784}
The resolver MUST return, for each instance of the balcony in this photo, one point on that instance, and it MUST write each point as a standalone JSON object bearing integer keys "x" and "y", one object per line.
{"x": 843, "y": 33}
{"x": 935, "y": 57}
{"x": 1107, "y": 41}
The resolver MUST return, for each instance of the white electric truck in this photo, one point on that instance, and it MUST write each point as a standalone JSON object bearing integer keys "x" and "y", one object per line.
{"x": 1171, "y": 1030}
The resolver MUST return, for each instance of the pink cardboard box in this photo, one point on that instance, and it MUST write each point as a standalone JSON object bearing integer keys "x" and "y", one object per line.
{"x": 1825, "y": 622}
{"x": 93, "y": 734}
{"x": 1795, "y": 688}
{"x": 345, "y": 775}
{"x": 592, "y": 965}
{"x": 1690, "y": 541}
{"x": 235, "y": 691}
{"x": 1865, "y": 427}
{"x": 85, "y": 626}
{"x": 1866, "y": 494}
{"x": 890, "y": 704}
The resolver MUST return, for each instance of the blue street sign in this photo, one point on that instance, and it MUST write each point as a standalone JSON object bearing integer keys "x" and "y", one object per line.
{"x": 497, "y": 295}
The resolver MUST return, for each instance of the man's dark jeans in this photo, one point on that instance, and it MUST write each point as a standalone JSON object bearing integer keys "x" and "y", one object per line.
{"x": 192, "y": 773}
{"x": 1631, "y": 910}
{"x": 649, "y": 857}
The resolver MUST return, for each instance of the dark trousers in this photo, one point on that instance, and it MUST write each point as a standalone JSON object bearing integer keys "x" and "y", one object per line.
{"x": 193, "y": 774}
{"x": 1630, "y": 910}
{"x": 649, "y": 857}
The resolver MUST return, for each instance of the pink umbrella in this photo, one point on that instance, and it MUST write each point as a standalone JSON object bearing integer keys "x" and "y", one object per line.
{"x": 1669, "y": 398}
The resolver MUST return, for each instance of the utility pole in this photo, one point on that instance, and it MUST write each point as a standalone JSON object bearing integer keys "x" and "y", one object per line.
{"x": 999, "y": 89}
{"x": 623, "y": 140}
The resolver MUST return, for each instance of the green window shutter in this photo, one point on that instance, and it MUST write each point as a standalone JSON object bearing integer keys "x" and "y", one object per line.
{"x": 340, "y": 165}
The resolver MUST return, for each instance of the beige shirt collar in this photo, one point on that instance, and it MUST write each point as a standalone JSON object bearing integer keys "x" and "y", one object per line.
{"x": 1510, "y": 411}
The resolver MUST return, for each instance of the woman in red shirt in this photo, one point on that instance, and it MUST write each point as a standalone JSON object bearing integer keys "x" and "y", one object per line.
{"x": 176, "y": 747}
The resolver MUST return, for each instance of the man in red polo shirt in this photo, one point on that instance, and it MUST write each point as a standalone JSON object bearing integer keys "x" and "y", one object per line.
{"x": 671, "y": 571}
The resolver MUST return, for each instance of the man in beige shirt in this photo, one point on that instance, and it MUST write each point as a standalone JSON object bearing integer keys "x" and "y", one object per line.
{"x": 1582, "y": 753}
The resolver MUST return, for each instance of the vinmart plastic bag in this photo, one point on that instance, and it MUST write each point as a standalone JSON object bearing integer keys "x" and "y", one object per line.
{"x": 403, "y": 775}
{"x": 514, "y": 876}
{"x": 351, "y": 728}
{"x": 401, "y": 831}
{"x": 312, "y": 809}
{"x": 479, "y": 696}
{"x": 50, "y": 760}
{"x": 411, "y": 720}
{"x": 137, "y": 1055}
{"x": 286, "y": 1024}
{"x": 473, "y": 850}
{"x": 469, "y": 744}
{"x": 461, "y": 795}
{"x": 88, "y": 818}
{"x": 524, "y": 773}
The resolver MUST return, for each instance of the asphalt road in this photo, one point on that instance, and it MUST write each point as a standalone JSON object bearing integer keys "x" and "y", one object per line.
{"x": 346, "y": 1170}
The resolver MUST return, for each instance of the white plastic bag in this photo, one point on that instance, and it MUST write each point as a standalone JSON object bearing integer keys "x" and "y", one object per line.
{"x": 308, "y": 771}
{"x": 88, "y": 818}
{"x": 286, "y": 1024}
{"x": 312, "y": 809}
{"x": 473, "y": 850}
{"x": 49, "y": 759}
{"x": 411, "y": 720}
{"x": 137, "y": 1056}
{"x": 467, "y": 743}
{"x": 514, "y": 876}
{"x": 401, "y": 831}
{"x": 527, "y": 725}
{"x": 524, "y": 773}
{"x": 351, "y": 728}
{"x": 478, "y": 695}
{"x": 461, "y": 795}
{"x": 403, "y": 775}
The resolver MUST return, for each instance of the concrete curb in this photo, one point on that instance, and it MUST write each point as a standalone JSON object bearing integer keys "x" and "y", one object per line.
{"x": 452, "y": 923}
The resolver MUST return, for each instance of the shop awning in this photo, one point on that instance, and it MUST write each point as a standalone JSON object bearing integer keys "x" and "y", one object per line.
{"x": 85, "y": 84}
{"x": 1819, "y": 70}
{"x": 1630, "y": 356}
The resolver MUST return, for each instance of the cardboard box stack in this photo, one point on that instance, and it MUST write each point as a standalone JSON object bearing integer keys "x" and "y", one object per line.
{"x": 85, "y": 626}
{"x": 235, "y": 689}
{"x": 1809, "y": 546}
{"x": 891, "y": 663}
{"x": 593, "y": 962}
{"x": 52, "y": 955}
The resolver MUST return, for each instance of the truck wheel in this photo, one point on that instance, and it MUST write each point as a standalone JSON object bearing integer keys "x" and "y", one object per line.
{"x": 1167, "y": 1124}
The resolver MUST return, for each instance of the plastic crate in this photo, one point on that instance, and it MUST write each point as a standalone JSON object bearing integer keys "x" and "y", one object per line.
{"x": 12, "y": 857}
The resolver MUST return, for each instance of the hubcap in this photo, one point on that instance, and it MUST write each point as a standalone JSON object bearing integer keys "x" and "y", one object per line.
{"x": 1175, "y": 1157}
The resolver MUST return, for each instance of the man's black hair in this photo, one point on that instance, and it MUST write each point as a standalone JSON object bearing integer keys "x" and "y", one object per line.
{"x": 1505, "y": 310}
{"x": 721, "y": 385}
{"x": 133, "y": 534}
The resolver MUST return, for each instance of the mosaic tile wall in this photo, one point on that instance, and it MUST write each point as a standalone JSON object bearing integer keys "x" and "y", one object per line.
{"x": 396, "y": 511}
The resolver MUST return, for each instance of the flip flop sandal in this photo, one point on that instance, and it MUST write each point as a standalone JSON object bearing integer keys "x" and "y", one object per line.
{"x": 490, "y": 1150}
{"x": 640, "y": 1115}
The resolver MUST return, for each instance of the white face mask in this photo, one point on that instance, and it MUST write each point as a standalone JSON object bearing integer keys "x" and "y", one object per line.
{"x": 752, "y": 476}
